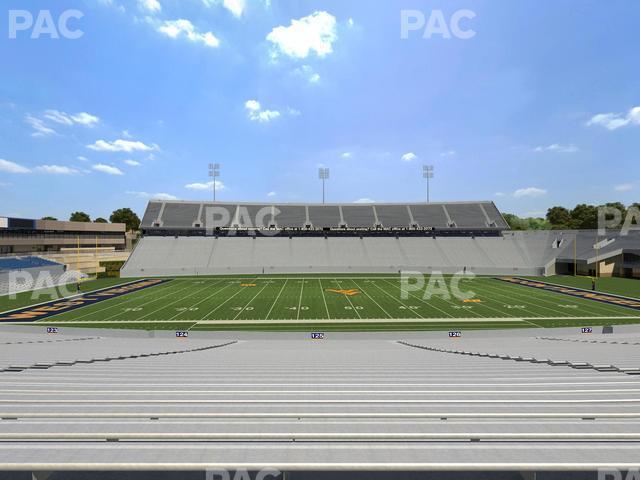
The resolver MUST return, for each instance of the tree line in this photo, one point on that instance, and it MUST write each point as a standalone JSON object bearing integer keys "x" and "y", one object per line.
{"x": 581, "y": 217}
{"x": 121, "y": 215}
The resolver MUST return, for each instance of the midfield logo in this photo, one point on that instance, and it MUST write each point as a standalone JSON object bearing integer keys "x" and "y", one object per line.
{"x": 350, "y": 293}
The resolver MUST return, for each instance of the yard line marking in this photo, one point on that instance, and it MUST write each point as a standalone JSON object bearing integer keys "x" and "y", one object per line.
{"x": 300, "y": 300}
{"x": 379, "y": 306}
{"x": 349, "y": 300}
{"x": 399, "y": 301}
{"x": 324, "y": 298}
{"x": 539, "y": 299}
{"x": 119, "y": 304}
{"x": 203, "y": 300}
{"x": 209, "y": 313}
{"x": 167, "y": 305}
{"x": 427, "y": 303}
{"x": 276, "y": 300}
{"x": 252, "y": 299}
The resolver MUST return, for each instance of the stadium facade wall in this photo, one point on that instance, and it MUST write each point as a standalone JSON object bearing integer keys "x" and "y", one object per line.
{"x": 513, "y": 254}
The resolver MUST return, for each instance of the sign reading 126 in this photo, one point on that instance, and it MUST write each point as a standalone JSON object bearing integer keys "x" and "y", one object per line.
{"x": 455, "y": 334}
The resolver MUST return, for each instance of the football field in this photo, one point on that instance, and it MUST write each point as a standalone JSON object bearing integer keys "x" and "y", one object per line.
{"x": 339, "y": 303}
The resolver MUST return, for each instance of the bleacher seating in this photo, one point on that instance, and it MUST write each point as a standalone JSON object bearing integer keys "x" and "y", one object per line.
{"x": 156, "y": 255}
{"x": 183, "y": 215}
{"x": 19, "y": 274}
{"x": 23, "y": 263}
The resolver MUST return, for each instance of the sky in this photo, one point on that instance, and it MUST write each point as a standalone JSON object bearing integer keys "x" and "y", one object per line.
{"x": 529, "y": 104}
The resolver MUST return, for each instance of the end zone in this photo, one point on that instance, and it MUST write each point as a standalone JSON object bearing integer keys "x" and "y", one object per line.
{"x": 34, "y": 313}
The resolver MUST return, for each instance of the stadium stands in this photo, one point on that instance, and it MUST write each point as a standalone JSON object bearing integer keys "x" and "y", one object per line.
{"x": 251, "y": 255}
{"x": 180, "y": 215}
{"x": 200, "y": 238}
{"x": 98, "y": 400}
{"x": 19, "y": 274}
{"x": 23, "y": 263}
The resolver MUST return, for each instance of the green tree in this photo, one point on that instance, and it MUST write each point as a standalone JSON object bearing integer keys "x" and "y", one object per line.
{"x": 127, "y": 216}
{"x": 559, "y": 217}
{"x": 49, "y": 218}
{"x": 529, "y": 223}
{"x": 584, "y": 217}
{"x": 534, "y": 223}
{"x": 515, "y": 222}
{"x": 79, "y": 217}
{"x": 100, "y": 220}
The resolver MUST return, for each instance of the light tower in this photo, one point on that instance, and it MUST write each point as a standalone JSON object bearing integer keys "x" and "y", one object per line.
{"x": 323, "y": 174}
{"x": 427, "y": 174}
{"x": 214, "y": 172}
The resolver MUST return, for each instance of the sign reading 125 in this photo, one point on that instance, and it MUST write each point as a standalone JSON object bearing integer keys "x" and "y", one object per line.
{"x": 317, "y": 336}
{"x": 52, "y": 329}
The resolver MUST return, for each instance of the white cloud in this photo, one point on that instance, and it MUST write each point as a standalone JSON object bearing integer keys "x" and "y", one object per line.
{"x": 236, "y": 7}
{"x": 364, "y": 200}
{"x": 41, "y": 130}
{"x": 499, "y": 194}
{"x": 58, "y": 117}
{"x": 132, "y": 163}
{"x": 314, "y": 33}
{"x": 121, "y": 146}
{"x": 613, "y": 121}
{"x": 84, "y": 118}
{"x": 56, "y": 170}
{"x": 346, "y": 154}
{"x": 308, "y": 73}
{"x": 624, "y": 187}
{"x": 350, "y": 22}
{"x": 154, "y": 196}
{"x": 294, "y": 112}
{"x": 408, "y": 157}
{"x": 271, "y": 194}
{"x": 81, "y": 118}
{"x": 12, "y": 167}
{"x": 181, "y": 27}
{"x": 529, "y": 192}
{"x": 448, "y": 153}
{"x": 556, "y": 147}
{"x": 150, "y": 5}
{"x": 205, "y": 186}
{"x": 82, "y": 159}
{"x": 257, "y": 114}
{"x": 108, "y": 169}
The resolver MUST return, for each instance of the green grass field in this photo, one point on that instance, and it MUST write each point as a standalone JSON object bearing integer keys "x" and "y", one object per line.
{"x": 311, "y": 302}
{"x": 627, "y": 287}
